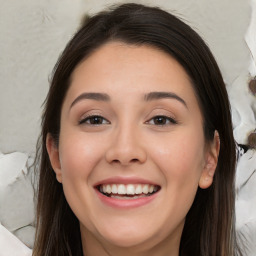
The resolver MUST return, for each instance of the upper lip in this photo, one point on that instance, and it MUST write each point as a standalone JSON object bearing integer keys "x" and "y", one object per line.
{"x": 124, "y": 180}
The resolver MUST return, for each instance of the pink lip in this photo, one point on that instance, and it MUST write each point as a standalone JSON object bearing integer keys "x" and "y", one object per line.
{"x": 125, "y": 203}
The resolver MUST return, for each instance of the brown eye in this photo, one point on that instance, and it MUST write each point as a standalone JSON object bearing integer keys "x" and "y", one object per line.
{"x": 94, "y": 120}
{"x": 162, "y": 120}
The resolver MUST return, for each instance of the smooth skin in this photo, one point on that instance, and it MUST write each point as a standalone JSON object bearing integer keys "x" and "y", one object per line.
{"x": 125, "y": 132}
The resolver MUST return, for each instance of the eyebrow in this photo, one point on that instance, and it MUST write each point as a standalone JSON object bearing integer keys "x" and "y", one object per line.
{"x": 147, "y": 97}
{"x": 164, "y": 95}
{"x": 91, "y": 96}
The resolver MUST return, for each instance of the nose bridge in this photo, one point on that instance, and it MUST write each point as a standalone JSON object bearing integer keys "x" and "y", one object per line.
{"x": 126, "y": 145}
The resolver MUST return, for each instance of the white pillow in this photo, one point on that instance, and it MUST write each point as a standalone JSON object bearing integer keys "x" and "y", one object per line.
{"x": 11, "y": 245}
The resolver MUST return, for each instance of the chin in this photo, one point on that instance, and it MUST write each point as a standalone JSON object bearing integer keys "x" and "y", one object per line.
{"x": 126, "y": 238}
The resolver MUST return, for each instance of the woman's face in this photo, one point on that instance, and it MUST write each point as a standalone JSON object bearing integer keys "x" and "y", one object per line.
{"x": 131, "y": 150}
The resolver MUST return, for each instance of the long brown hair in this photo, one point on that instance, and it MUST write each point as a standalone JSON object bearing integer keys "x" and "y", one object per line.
{"x": 209, "y": 226}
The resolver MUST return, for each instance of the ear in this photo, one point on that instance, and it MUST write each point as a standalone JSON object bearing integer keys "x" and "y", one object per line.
{"x": 211, "y": 161}
{"x": 53, "y": 153}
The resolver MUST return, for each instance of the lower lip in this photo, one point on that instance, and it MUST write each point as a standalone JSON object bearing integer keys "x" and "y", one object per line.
{"x": 125, "y": 203}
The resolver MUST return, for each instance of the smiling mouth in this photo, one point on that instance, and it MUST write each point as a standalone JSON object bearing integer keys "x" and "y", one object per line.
{"x": 127, "y": 191}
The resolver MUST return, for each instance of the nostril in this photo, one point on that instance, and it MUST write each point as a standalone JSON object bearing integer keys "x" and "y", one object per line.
{"x": 125, "y": 162}
{"x": 134, "y": 160}
{"x": 125, "y": 155}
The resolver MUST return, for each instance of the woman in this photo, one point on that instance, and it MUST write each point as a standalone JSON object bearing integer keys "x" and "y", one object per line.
{"x": 137, "y": 152}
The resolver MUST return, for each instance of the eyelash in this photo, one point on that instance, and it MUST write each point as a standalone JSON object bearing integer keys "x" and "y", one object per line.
{"x": 165, "y": 119}
{"x": 94, "y": 117}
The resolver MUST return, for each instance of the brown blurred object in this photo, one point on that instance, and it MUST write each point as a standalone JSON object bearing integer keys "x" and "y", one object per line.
{"x": 252, "y": 140}
{"x": 252, "y": 86}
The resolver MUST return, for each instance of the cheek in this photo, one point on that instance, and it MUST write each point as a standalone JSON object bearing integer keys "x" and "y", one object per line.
{"x": 181, "y": 159}
{"x": 78, "y": 155}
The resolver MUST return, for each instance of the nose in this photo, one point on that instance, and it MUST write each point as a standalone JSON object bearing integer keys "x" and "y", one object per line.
{"x": 126, "y": 147}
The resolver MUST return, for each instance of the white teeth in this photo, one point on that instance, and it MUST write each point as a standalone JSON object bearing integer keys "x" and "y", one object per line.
{"x": 145, "y": 189}
{"x": 138, "y": 190}
{"x": 114, "y": 189}
{"x": 129, "y": 189}
{"x": 109, "y": 190}
{"x": 121, "y": 189}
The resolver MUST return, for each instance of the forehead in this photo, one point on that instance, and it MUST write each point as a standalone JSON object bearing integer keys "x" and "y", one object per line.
{"x": 118, "y": 68}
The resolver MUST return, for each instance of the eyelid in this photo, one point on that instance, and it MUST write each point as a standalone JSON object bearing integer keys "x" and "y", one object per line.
{"x": 87, "y": 117}
{"x": 172, "y": 121}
